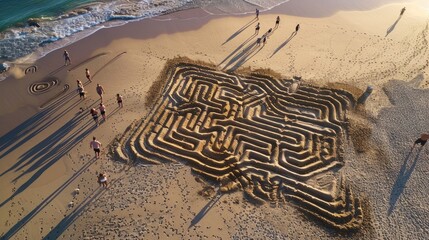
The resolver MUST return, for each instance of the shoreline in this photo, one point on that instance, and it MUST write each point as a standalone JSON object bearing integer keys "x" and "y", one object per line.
{"x": 45, "y": 149}
{"x": 291, "y": 8}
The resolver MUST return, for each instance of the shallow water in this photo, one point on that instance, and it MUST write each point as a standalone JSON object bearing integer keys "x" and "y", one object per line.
{"x": 17, "y": 11}
{"x": 60, "y": 19}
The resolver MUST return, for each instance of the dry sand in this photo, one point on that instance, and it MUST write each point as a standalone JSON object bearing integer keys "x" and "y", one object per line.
{"x": 45, "y": 154}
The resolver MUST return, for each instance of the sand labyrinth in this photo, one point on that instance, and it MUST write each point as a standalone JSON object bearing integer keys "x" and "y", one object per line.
{"x": 273, "y": 139}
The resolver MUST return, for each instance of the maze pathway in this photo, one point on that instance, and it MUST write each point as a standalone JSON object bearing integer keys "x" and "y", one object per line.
{"x": 271, "y": 138}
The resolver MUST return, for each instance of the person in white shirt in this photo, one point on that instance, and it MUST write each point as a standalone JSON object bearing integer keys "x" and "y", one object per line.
{"x": 102, "y": 180}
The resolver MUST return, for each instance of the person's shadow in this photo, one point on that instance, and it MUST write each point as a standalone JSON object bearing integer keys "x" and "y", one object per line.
{"x": 404, "y": 175}
{"x": 391, "y": 28}
{"x": 284, "y": 43}
{"x": 205, "y": 209}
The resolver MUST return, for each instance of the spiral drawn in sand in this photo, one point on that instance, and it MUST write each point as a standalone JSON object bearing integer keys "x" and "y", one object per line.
{"x": 44, "y": 86}
{"x": 31, "y": 69}
{"x": 274, "y": 139}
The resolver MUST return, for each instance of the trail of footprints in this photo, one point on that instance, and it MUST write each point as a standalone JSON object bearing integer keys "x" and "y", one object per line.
{"x": 265, "y": 136}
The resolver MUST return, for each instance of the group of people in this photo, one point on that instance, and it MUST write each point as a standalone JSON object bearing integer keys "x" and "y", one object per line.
{"x": 94, "y": 144}
{"x": 102, "y": 107}
{"x": 100, "y": 91}
{"x": 264, "y": 37}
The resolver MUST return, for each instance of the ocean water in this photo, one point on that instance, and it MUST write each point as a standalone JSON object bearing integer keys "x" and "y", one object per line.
{"x": 69, "y": 20}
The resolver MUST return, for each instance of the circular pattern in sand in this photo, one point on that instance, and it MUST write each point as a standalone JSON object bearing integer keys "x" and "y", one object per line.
{"x": 31, "y": 69}
{"x": 43, "y": 86}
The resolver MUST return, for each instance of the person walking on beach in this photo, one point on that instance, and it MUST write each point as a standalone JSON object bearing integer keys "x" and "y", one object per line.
{"x": 94, "y": 115}
{"x": 102, "y": 109}
{"x": 277, "y": 21}
{"x": 81, "y": 91}
{"x": 257, "y": 13}
{"x": 67, "y": 60}
{"x": 257, "y": 28}
{"x": 100, "y": 91}
{"x": 264, "y": 40}
{"x": 402, "y": 11}
{"x": 297, "y": 28}
{"x": 424, "y": 137}
{"x": 88, "y": 75}
{"x": 79, "y": 83}
{"x": 119, "y": 100}
{"x": 102, "y": 180}
{"x": 269, "y": 32}
{"x": 96, "y": 145}
{"x": 258, "y": 41}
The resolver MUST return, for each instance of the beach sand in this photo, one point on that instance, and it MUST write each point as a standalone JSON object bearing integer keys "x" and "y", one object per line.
{"x": 45, "y": 154}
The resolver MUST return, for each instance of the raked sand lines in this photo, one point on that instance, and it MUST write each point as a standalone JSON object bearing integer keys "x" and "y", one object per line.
{"x": 270, "y": 138}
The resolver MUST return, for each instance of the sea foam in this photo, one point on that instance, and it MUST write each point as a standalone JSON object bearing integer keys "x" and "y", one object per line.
{"x": 26, "y": 43}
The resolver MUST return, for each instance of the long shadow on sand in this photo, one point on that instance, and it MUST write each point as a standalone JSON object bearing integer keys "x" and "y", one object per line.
{"x": 52, "y": 155}
{"x": 46, "y": 153}
{"x": 205, "y": 210}
{"x": 391, "y": 28}
{"x": 243, "y": 58}
{"x": 402, "y": 179}
{"x": 43, "y": 150}
{"x": 240, "y": 30}
{"x": 49, "y": 151}
{"x": 56, "y": 232}
{"x": 50, "y": 141}
{"x": 238, "y": 48}
{"x": 35, "y": 124}
{"x": 87, "y": 61}
{"x": 240, "y": 58}
{"x": 284, "y": 43}
{"x": 57, "y": 70}
{"x": 108, "y": 63}
{"x": 21, "y": 223}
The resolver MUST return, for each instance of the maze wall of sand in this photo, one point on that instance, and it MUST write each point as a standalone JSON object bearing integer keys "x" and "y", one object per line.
{"x": 277, "y": 140}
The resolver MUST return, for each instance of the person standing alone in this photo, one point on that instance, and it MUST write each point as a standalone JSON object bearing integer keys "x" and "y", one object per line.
{"x": 88, "y": 75}
{"x": 100, "y": 91}
{"x": 297, "y": 28}
{"x": 96, "y": 145}
{"x": 119, "y": 99}
{"x": 402, "y": 11}
{"x": 67, "y": 60}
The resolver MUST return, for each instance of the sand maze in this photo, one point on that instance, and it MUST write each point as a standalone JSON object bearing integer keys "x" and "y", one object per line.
{"x": 274, "y": 139}
{"x": 44, "y": 86}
